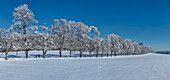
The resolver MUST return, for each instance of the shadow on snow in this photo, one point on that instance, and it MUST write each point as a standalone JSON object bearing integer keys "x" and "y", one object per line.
{"x": 55, "y": 56}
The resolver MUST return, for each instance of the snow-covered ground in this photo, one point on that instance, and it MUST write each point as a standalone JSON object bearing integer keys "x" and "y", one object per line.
{"x": 143, "y": 67}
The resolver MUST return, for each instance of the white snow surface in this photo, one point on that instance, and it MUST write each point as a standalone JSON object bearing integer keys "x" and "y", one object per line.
{"x": 151, "y": 66}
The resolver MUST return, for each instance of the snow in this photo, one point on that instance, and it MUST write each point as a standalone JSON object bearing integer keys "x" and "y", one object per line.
{"x": 150, "y": 66}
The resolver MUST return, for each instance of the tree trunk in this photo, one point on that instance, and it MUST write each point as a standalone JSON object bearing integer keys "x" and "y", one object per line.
{"x": 80, "y": 54}
{"x": 107, "y": 54}
{"x": 111, "y": 53}
{"x": 6, "y": 53}
{"x": 25, "y": 40}
{"x": 60, "y": 53}
{"x": 44, "y": 53}
{"x": 26, "y": 53}
{"x": 97, "y": 54}
{"x": 90, "y": 54}
{"x": 102, "y": 54}
{"x": 115, "y": 53}
{"x": 70, "y": 52}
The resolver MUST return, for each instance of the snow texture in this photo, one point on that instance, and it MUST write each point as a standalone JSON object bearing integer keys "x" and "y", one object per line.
{"x": 144, "y": 67}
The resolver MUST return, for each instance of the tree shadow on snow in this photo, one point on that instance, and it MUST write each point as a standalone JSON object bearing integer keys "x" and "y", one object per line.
{"x": 87, "y": 55}
{"x": 47, "y": 56}
{"x": 74, "y": 55}
{"x": 64, "y": 56}
{"x": 14, "y": 56}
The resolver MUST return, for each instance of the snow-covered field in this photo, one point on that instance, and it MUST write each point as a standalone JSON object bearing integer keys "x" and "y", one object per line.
{"x": 144, "y": 67}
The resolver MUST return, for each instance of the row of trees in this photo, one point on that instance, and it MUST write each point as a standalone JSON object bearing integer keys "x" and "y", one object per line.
{"x": 24, "y": 35}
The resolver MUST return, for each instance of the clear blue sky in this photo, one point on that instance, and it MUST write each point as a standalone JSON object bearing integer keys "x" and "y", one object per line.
{"x": 146, "y": 21}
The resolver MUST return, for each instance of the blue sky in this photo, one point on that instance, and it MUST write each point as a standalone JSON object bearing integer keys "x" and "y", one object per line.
{"x": 146, "y": 21}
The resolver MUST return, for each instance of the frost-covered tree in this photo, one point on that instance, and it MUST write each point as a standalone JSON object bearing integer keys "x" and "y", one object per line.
{"x": 103, "y": 47}
{"x": 81, "y": 37}
{"x": 43, "y": 39}
{"x": 23, "y": 17}
{"x": 94, "y": 34}
{"x": 120, "y": 49}
{"x": 64, "y": 35}
{"x": 142, "y": 48}
{"x": 32, "y": 32}
{"x": 125, "y": 47}
{"x": 107, "y": 45}
{"x": 60, "y": 29}
{"x": 6, "y": 42}
{"x": 114, "y": 43}
{"x": 97, "y": 45}
{"x": 72, "y": 28}
{"x": 130, "y": 47}
{"x": 45, "y": 44}
{"x": 136, "y": 48}
{"x": 149, "y": 49}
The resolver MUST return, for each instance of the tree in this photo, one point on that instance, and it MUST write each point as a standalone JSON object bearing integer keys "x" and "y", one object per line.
{"x": 120, "y": 45}
{"x": 125, "y": 47}
{"x": 72, "y": 28}
{"x": 130, "y": 46}
{"x": 107, "y": 45}
{"x": 142, "y": 48}
{"x": 94, "y": 34}
{"x": 140, "y": 43}
{"x": 97, "y": 44}
{"x": 60, "y": 29}
{"x": 44, "y": 40}
{"x": 136, "y": 48}
{"x": 6, "y": 42}
{"x": 64, "y": 35}
{"x": 82, "y": 37}
{"x": 23, "y": 17}
{"x": 114, "y": 43}
{"x": 103, "y": 48}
